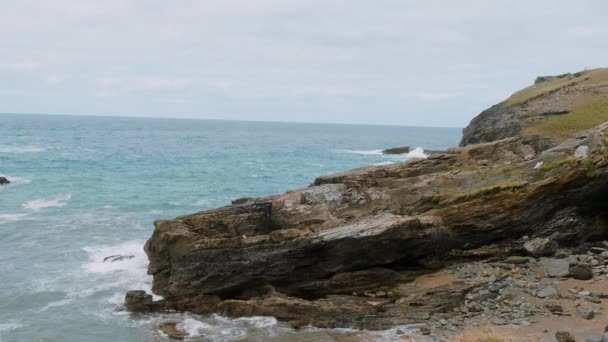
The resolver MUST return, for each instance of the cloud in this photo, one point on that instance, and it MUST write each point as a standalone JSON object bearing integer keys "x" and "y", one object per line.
{"x": 24, "y": 67}
{"x": 263, "y": 58}
{"x": 108, "y": 86}
{"x": 436, "y": 96}
{"x": 55, "y": 79}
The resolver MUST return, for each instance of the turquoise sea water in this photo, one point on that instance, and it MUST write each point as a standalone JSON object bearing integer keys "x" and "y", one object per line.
{"x": 84, "y": 188}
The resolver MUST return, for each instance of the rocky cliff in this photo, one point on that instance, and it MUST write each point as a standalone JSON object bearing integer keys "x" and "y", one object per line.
{"x": 551, "y": 110}
{"x": 345, "y": 251}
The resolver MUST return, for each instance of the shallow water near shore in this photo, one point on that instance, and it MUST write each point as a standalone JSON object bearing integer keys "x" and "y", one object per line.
{"x": 84, "y": 188}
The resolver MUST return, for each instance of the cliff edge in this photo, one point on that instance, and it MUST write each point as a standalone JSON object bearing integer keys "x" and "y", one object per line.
{"x": 546, "y": 113}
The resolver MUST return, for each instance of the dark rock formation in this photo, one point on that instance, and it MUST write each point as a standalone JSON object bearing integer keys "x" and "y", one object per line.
{"x": 4, "y": 181}
{"x": 343, "y": 251}
{"x": 397, "y": 150}
{"x": 545, "y": 113}
{"x": 140, "y": 301}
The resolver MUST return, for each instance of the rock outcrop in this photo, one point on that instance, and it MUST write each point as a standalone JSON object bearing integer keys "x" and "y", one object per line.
{"x": 343, "y": 252}
{"x": 397, "y": 150}
{"x": 4, "y": 181}
{"x": 551, "y": 110}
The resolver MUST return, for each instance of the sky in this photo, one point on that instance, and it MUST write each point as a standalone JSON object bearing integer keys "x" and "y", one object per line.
{"x": 397, "y": 62}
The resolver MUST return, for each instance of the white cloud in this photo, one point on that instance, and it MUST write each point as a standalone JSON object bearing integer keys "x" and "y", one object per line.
{"x": 55, "y": 79}
{"x": 435, "y": 96}
{"x": 24, "y": 67}
{"x": 108, "y": 86}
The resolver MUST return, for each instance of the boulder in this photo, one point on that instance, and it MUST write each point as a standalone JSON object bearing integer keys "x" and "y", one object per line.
{"x": 540, "y": 247}
{"x": 4, "y": 181}
{"x": 556, "y": 268}
{"x": 581, "y": 271}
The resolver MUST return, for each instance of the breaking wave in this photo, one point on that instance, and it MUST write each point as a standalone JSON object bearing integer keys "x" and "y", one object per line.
{"x": 41, "y": 203}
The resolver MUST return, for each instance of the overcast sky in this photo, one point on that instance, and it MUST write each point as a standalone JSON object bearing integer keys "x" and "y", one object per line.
{"x": 430, "y": 63}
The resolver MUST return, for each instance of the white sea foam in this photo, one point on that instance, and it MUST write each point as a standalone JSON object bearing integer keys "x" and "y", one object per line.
{"x": 41, "y": 203}
{"x": 19, "y": 180}
{"x": 128, "y": 273}
{"x": 16, "y": 180}
{"x": 11, "y": 217}
{"x": 202, "y": 203}
{"x": 8, "y": 327}
{"x": 418, "y": 152}
{"x": 364, "y": 152}
{"x": 21, "y": 149}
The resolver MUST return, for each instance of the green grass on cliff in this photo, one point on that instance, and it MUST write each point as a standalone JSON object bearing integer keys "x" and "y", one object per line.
{"x": 586, "y": 115}
{"x": 589, "y": 110}
{"x": 587, "y": 77}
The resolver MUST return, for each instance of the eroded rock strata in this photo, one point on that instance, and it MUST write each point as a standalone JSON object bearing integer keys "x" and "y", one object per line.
{"x": 343, "y": 251}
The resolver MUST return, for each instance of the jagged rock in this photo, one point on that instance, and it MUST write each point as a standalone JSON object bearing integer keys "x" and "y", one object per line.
{"x": 171, "y": 330}
{"x": 581, "y": 271}
{"x": 300, "y": 255}
{"x": 140, "y": 301}
{"x": 564, "y": 336}
{"x": 540, "y": 247}
{"x": 4, "y": 181}
{"x": 397, "y": 150}
{"x": 114, "y": 258}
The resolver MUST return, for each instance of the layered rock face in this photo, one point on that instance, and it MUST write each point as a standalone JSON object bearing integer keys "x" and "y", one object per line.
{"x": 343, "y": 251}
{"x": 551, "y": 110}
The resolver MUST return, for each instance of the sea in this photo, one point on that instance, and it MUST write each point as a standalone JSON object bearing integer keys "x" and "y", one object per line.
{"x": 86, "y": 187}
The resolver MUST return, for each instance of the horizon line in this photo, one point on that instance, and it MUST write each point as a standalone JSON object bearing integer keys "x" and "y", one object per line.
{"x": 128, "y": 116}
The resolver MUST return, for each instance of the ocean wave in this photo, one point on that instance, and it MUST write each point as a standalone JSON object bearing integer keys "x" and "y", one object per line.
{"x": 417, "y": 152}
{"x": 364, "y": 152}
{"x": 128, "y": 273}
{"x": 21, "y": 149}
{"x": 202, "y": 203}
{"x": 4, "y": 218}
{"x": 41, "y": 203}
{"x": 221, "y": 329}
{"x": 17, "y": 180}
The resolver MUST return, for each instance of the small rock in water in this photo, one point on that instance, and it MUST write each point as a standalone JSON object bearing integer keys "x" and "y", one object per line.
{"x": 4, "y": 181}
{"x": 170, "y": 329}
{"x": 564, "y": 336}
{"x": 397, "y": 150}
